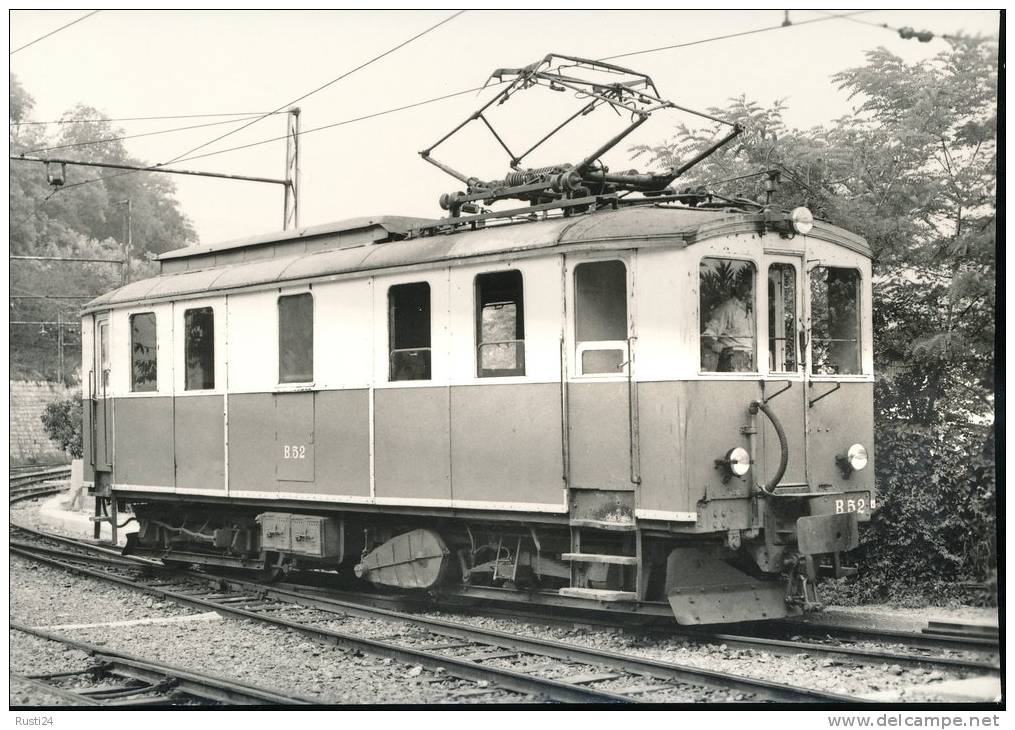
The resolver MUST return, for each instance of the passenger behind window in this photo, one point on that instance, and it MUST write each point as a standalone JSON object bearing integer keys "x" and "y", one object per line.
{"x": 727, "y": 313}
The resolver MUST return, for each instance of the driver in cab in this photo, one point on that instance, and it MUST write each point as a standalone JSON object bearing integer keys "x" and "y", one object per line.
{"x": 727, "y": 342}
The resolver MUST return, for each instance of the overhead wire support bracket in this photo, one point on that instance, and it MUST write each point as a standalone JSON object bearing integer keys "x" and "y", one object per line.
{"x": 147, "y": 168}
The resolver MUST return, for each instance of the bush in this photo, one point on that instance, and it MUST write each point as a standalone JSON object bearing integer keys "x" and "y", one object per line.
{"x": 63, "y": 422}
{"x": 935, "y": 525}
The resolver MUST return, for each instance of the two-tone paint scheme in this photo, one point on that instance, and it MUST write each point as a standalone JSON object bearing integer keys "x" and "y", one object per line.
{"x": 518, "y": 454}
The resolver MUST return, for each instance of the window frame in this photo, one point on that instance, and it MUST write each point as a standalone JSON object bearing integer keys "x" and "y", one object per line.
{"x": 580, "y": 347}
{"x": 861, "y": 372}
{"x": 214, "y": 358}
{"x": 478, "y": 308}
{"x": 798, "y": 317}
{"x": 281, "y": 382}
{"x": 155, "y": 348}
{"x": 391, "y": 333}
{"x": 738, "y": 374}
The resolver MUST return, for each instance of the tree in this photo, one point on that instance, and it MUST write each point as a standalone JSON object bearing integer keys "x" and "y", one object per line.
{"x": 85, "y": 221}
{"x": 912, "y": 170}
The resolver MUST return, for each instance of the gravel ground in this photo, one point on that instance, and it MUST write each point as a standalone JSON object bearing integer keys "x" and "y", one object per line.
{"x": 31, "y": 655}
{"x": 284, "y": 661}
{"x": 823, "y": 673}
{"x": 274, "y": 658}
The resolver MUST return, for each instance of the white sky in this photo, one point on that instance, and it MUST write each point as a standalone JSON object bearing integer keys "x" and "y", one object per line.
{"x": 144, "y": 63}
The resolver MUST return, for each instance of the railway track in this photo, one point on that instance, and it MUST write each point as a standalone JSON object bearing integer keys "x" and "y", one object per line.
{"x": 118, "y": 679}
{"x": 557, "y": 671}
{"x": 31, "y": 483}
{"x": 835, "y": 643}
{"x": 960, "y": 638}
{"x": 576, "y": 673}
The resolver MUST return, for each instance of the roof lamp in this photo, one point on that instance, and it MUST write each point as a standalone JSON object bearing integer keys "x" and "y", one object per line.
{"x": 802, "y": 220}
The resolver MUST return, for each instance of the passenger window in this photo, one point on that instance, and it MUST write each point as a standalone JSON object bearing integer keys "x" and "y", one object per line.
{"x": 500, "y": 324}
{"x": 409, "y": 332}
{"x": 143, "y": 353}
{"x": 296, "y": 338}
{"x": 835, "y": 321}
{"x": 782, "y": 327}
{"x": 199, "y": 348}
{"x": 600, "y": 317}
{"x": 727, "y": 316}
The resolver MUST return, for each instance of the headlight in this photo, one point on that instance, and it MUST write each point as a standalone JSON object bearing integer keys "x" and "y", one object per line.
{"x": 736, "y": 463}
{"x": 802, "y": 220}
{"x": 739, "y": 461}
{"x": 857, "y": 457}
{"x": 853, "y": 460}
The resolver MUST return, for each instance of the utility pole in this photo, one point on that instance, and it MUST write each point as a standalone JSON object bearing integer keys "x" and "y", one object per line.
{"x": 127, "y": 243}
{"x": 291, "y": 214}
{"x": 59, "y": 344}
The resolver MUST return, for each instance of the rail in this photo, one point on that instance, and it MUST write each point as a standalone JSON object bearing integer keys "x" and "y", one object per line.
{"x": 262, "y": 603}
{"x": 143, "y": 682}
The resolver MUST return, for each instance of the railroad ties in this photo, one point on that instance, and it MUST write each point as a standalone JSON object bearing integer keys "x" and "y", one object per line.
{"x": 117, "y": 679}
{"x": 483, "y": 659}
{"x": 476, "y": 661}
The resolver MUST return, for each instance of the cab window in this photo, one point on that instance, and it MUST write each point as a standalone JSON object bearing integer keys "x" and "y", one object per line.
{"x": 296, "y": 338}
{"x": 143, "y": 353}
{"x": 600, "y": 317}
{"x": 409, "y": 332}
{"x": 835, "y": 321}
{"x": 500, "y": 324}
{"x": 727, "y": 316}
{"x": 199, "y": 348}
{"x": 782, "y": 328}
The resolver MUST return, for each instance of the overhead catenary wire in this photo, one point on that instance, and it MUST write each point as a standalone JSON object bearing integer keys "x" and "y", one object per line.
{"x": 145, "y": 119}
{"x": 475, "y": 89}
{"x": 276, "y": 111}
{"x": 54, "y": 32}
{"x": 335, "y": 80}
{"x": 189, "y": 156}
{"x": 907, "y": 32}
{"x": 122, "y": 137}
{"x": 728, "y": 36}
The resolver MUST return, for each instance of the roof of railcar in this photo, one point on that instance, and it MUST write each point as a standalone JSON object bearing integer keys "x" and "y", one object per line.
{"x": 364, "y": 245}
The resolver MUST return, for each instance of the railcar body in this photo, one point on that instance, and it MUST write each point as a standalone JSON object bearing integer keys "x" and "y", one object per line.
{"x": 653, "y": 406}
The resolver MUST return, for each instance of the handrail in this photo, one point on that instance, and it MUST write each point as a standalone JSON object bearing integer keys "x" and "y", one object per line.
{"x": 769, "y": 488}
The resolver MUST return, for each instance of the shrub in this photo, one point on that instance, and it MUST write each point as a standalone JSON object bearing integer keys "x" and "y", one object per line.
{"x": 62, "y": 421}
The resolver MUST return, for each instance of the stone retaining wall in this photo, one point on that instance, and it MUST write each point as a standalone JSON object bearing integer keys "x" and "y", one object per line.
{"x": 28, "y": 438}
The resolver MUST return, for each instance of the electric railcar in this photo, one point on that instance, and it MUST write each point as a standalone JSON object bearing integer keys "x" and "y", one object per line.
{"x": 652, "y": 408}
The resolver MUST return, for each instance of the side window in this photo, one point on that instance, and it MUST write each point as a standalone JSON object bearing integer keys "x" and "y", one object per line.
{"x": 600, "y": 316}
{"x": 143, "y": 353}
{"x": 727, "y": 316}
{"x": 199, "y": 348}
{"x": 835, "y": 321}
{"x": 296, "y": 338}
{"x": 104, "y": 355}
{"x": 782, "y": 329}
{"x": 500, "y": 324}
{"x": 409, "y": 332}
